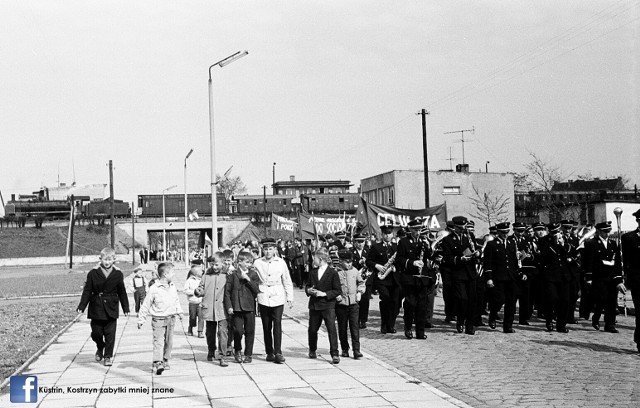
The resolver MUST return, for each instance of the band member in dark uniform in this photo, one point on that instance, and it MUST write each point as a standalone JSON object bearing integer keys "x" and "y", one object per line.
{"x": 501, "y": 270}
{"x": 380, "y": 262}
{"x": 481, "y": 285}
{"x": 557, "y": 277}
{"x": 571, "y": 242}
{"x": 459, "y": 256}
{"x": 414, "y": 276}
{"x": 341, "y": 240}
{"x": 525, "y": 265}
{"x": 447, "y": 285}
{"x": 603, "y": 271}
{"x": 360, "y": 253}
{"x": 630, "y": 243}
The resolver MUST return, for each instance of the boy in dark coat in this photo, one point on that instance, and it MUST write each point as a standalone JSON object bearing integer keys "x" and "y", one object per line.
{"x": 104, "y": 292}
{"x": 240, "y": 301}
{"x": 323, "y": 288}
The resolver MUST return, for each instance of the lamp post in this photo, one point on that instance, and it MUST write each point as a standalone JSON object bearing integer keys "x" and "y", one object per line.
{"x": 214, "y": 199}
{"x": 186, "y": 227}
{"x": 164, "y": 230}
{"x": 486, "y": 167}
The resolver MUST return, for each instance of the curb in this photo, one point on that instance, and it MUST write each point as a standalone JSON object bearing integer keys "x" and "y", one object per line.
{"x": 39, "y": 352}
{"x": 42, "y": 296}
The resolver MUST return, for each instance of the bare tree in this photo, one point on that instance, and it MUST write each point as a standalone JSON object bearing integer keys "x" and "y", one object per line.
{"x": 230, "y": 186}
{"x": 490, "y": 208}
{"x": 542, "y": 175}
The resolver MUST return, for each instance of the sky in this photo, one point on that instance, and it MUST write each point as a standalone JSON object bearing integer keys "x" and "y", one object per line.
{"x": 330, "y": 90}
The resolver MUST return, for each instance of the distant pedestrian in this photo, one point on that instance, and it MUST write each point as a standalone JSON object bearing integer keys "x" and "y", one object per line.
{"x": 103, "y": 290}
{"x": 163, "y": 305}
{"x": 195, "y": 303}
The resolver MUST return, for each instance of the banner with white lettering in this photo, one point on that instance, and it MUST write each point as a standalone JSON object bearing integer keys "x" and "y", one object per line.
{"x": 371, "y": 217}
{"x": 281, "y": 223}
{"x": 324, "y": 224}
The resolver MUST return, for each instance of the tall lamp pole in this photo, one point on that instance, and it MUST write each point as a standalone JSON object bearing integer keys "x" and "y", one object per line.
{"x": 214, "y": 199}
{"x": 164, "y": 221}
{"x": 186, "y": 227}
{"x": 273, "y": 186}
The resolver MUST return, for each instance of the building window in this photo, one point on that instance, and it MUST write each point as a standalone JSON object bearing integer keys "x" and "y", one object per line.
{"x": 180, "y": 203}
{"x": 321, "y": 190}
{"x": 341, "y": 199}
{"x": 255, "y": 202}
{"x": 449, "y": 190}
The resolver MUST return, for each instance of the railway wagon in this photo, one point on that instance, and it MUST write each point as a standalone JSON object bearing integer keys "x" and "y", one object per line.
{"x": 284, "y": 204}
{"x": 151, "y": 204}
{"x": 103, "y": 207}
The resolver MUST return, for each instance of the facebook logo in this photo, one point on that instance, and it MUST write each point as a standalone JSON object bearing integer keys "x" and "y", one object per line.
{"x": 24, "y": 388}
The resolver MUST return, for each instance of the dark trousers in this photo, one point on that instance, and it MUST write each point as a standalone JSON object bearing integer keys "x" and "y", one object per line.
{"x": 447, "y": 297}
{"x": 195, "y": 316}
{"x": 348, "y": 316}
{"x": 524, "y": 305}
{"x": 296, "y": 277}
{"x": 464, "y": 295}
{"x": 605, "y": 296}
{"x": 635, "y": 294}
{"x": 244, "y": 324}
{"x": 481, "y": 290}
{"x": 574, "y": 289}
{"x": 103, "y": 333}
{"x": 432, "y": 291}
{"x": 389, "y": 298}
{"x": 536, "y": 294}
{"x": 364, "y": 304}
{"x": 586, "y": 300}
{"x": 272, "y": 328}
{"x": 415, "y": 307}
{"x": 217, "y": 337}
{"x": 557, "y": 297}
{"x": 504, "y": 293}
{"x": 316, "y": 317}
{"x": 138, "y": 297}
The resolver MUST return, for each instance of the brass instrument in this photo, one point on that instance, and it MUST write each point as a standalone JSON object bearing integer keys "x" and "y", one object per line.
{"x": 590, "y": 233}
{"x": 439, "y": 237}
{"x": 388, "y": 267}
{"x": 420, "y": 259}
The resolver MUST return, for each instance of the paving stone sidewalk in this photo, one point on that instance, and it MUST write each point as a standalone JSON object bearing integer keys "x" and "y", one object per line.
{"x": 73, "y": 379}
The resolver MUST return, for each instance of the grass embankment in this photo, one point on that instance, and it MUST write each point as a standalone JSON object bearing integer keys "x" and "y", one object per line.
{"x": 52, "y": 241}
{"x": 28, "y": 324}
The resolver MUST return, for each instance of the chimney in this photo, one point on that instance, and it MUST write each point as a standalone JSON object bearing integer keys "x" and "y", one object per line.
{"x": 13, "y": 197}
{"x": 292, "y": 178}
{"x": 462, "y": 168}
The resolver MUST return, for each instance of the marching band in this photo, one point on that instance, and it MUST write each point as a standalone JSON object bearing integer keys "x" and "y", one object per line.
{"x": 519, "y": 270}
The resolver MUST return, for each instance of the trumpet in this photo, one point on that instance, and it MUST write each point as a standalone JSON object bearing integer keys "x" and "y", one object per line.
{"x": 388, "y": 267}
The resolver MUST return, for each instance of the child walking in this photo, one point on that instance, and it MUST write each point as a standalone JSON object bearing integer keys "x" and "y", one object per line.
{"x": 211, "y": 289}
{"x": 347, "y": 308}
{"x": 139, "y": 288}
{"x": 195, "y": 302}
{"x": 103, "y": 289}
{"x": 240, "y": 301}
{"x": 163, "y": 305}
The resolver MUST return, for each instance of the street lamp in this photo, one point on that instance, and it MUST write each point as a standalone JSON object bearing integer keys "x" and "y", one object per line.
{"x": 214, "y": 199}
{"x": 164, "y": 230}
{"x": 486, "y": 167}
{"x": 186, "y": 228}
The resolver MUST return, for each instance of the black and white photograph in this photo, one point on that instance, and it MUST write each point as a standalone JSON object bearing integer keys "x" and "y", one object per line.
{"x": 320, "y": 203}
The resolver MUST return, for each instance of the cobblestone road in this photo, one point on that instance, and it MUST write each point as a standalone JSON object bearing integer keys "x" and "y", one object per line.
{"x": 530, "y": 368}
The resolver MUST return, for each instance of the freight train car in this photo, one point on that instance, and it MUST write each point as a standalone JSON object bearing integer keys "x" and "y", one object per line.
{"x": 286, "y": 204}
{"x": 103, "y": 207}
{"x": 151, "y": 205}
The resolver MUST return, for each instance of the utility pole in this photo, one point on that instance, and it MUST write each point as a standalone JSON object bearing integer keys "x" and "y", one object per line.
{"x": 472, "y": 130}
{"x": 264, "y": 209}
{"x": 425, "y": 158}
{"x": 113, "y": 220}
